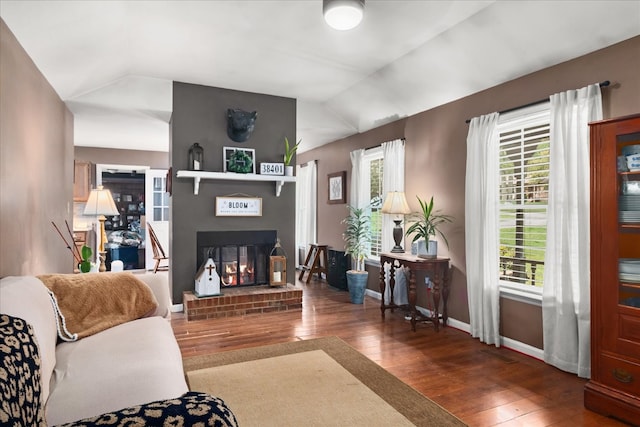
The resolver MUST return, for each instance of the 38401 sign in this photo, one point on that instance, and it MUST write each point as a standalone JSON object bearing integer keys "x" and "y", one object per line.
{"x": 271, "y": 168}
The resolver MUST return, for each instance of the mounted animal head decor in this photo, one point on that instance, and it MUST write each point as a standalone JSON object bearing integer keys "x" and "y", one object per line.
{"x": 240, "y": 124}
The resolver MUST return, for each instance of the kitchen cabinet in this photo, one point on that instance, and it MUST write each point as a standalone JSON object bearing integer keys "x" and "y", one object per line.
{"x": 82, "y": 180}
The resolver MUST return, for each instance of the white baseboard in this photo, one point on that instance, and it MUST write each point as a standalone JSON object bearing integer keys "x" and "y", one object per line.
{"x": 509, "y": 343}
{"x": 372, "y": 293}
{"x": 523, "y": 348}
{"x": 177, "y": 308}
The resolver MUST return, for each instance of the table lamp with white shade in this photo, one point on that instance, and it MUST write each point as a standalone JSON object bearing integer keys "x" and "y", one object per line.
{"x": 396, "y": 204}
{"x": 101, "y": 204}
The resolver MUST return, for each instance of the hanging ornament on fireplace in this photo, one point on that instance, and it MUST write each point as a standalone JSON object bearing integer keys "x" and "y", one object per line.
{"x": 277, "y": 266}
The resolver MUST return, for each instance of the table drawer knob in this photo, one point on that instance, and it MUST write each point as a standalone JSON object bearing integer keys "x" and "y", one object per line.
{"x": 622, "y": 375}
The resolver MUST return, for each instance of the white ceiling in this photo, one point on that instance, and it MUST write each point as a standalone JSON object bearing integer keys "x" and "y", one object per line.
{"x": 113, "y": 62}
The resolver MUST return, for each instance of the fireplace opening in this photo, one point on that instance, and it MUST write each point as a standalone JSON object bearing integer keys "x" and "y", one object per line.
{"x": 241, "y": 257}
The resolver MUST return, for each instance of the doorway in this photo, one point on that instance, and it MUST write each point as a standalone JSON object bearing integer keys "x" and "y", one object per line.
{"x": 157, "y": 213}
{"x": 140, "y": 196}
{"x": 125, "y": 235}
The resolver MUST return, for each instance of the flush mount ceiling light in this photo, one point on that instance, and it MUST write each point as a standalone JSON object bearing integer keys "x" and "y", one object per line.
{"x": 343, "y": 14}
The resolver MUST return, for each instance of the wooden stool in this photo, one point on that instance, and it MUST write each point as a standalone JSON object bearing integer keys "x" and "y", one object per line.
{"x": 319, "y": 265}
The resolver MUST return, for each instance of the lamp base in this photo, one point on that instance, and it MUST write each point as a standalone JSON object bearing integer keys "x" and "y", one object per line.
{"x": 103, "y": 240}
{"x": 103, "y": 262}
{"x": 397, "y": 236}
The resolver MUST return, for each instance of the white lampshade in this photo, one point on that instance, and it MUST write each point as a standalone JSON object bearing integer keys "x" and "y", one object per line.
{"x": 396, "y": 203}
{"x": 343, "y": 14}
{"x": 100, "y": 203}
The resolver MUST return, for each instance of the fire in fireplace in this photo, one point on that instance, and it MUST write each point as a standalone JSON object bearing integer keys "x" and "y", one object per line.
{"x": 241, "y": 257}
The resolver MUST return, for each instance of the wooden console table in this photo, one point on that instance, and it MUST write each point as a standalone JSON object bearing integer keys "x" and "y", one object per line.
{"x": 440, "y": 276}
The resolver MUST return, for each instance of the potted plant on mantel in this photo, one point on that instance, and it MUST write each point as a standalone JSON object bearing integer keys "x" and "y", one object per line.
{"x": 424, "y": 225}
{"x": 357, "y": 237}
{"x": 289, "y": 151}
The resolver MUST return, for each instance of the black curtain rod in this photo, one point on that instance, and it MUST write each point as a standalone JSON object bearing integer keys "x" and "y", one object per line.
{"x": 403, "y": 139}
{"x": 304, "y": 165}
{"x": 531, "y": 104}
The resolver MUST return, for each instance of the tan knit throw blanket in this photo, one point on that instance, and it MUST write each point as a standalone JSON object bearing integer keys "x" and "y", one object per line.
{"x": 89, "y": 303}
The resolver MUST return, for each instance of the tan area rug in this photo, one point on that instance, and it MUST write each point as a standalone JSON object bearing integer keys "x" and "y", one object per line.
{"x": 314, "y": 382}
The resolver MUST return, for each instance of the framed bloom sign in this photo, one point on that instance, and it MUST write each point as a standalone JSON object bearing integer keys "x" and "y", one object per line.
{"x": 238, "y": 206}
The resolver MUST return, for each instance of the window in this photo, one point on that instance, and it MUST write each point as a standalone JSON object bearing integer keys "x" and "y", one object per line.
{"x": 524, "y": 191}
{"x": 160, "y": 199}
{"x": 374, "y": 165}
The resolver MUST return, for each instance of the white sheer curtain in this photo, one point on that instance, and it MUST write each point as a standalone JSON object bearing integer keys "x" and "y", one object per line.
{"x": 565, "y": 295}
{"x": 481, "y": 228}
{"x": 306, "y": 206}
{"x": 359, "y": 177}
{"x": 393, "y": 180}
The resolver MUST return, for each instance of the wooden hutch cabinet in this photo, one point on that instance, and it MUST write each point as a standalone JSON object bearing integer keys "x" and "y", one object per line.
{"x": 614, "y": 388}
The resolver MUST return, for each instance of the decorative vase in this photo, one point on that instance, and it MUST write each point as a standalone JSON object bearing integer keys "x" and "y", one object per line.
{"x": 288, "y": 171}
{"x": 429, "y": 251}
{"x": 357, "y": 283}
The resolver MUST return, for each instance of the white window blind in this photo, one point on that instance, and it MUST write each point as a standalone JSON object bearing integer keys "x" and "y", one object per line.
{"x": 524, "y": 190}
{"x": 375, "y": 170}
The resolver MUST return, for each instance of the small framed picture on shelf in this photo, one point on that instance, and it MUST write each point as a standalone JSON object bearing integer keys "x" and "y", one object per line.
{"x": 337, "y": 187}
{"x": 132, "y": 207}
{"x": 239, "y": 160}
{"x": 127, "y": 198}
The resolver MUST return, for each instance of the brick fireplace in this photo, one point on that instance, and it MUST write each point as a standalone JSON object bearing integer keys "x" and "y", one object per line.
{"x": 241, "y": 256}
{"x": 241, "y": 301}
{"x": 242, "y": 261}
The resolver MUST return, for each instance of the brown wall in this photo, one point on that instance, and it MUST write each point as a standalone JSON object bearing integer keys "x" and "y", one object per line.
{"x": 199, "y": 115}
{"x": 36, "y": 166}
{"x": 436, "y": 159}
{"x": 153, "y": 159}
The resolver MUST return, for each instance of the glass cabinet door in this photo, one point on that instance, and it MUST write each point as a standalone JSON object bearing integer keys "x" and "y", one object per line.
{"x": 628, "y": 171}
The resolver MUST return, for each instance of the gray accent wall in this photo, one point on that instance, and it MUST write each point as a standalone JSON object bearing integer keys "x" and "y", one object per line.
{"x": 199, "y": 115}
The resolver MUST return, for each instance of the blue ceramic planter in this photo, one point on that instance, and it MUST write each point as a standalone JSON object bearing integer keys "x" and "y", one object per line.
{"x": 357, "y": 283}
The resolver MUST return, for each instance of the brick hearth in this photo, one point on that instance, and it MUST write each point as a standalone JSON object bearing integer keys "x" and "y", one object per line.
{"x": 243, "y": 300}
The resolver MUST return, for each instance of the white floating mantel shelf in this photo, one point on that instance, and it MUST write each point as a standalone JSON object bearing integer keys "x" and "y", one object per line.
{"x": 231, "y": 176}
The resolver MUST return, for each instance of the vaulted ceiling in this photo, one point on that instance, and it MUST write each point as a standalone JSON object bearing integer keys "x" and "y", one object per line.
{"x": 113, "y": 62}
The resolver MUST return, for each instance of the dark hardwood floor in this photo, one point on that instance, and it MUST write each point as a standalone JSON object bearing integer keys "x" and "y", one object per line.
{"x": 482, "y": 385}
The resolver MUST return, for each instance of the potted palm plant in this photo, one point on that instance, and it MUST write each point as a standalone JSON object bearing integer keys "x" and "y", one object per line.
{"x": 357, "y": 237}
{"x": 289, "y": 151}
{"x": 425, "y": 224}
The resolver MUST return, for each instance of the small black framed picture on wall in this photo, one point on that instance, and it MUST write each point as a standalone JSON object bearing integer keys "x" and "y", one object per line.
{"x": 337, "y": 186}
